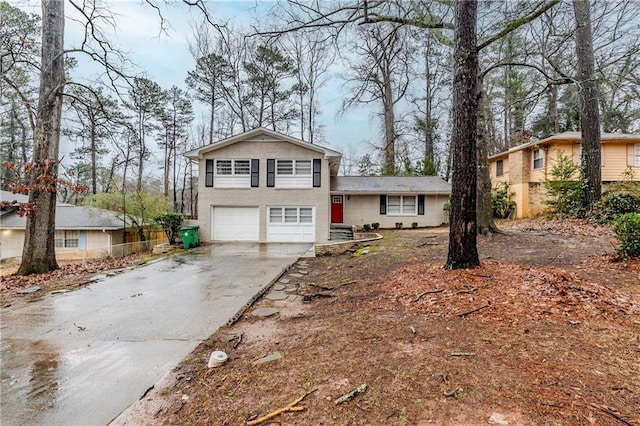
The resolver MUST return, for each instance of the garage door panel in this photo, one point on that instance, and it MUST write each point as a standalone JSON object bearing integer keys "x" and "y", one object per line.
{"x": 235, "y": 223}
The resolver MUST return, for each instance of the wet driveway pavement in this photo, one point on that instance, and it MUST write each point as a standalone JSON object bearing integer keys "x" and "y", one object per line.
{"x": 81, "y": 358}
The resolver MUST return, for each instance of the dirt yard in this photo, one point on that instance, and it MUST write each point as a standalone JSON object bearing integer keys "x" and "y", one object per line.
{"x": 546, "y": 332}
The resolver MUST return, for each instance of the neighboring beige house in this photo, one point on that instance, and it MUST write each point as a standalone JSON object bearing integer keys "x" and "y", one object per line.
{"x": 81, "y": 232}
{"x": 268, "y": 187}
{"x": 524, "y": 168}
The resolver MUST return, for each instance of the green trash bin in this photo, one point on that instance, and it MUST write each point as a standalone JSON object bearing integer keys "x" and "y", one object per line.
{"x": 190, "y": 236}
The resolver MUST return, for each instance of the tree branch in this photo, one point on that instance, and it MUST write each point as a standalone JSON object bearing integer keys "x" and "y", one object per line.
{"x": 514, "y": 25}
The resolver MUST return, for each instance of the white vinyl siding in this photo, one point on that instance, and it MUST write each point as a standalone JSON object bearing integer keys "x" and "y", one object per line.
{"x": 232, "y": 174}
{"x": 291, "y": 224}
{"x": 235, "y": 223}
{"x": 404, "y": 205}
{"x": 293, "y": 174}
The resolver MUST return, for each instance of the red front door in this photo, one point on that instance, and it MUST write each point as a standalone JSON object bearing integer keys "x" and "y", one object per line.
{"x": 336, "y": 209}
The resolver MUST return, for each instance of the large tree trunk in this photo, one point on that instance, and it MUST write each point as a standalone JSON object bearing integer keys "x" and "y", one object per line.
{"x": 463, "y": 252}
{"x": 486, "y": 223}
{"x": 589, "y": 113}
{"x": 38, "y": 255}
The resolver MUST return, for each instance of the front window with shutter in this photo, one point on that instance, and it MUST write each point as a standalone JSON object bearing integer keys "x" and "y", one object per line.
{"x": 293, "y": 174}
{"x": 233, "y": 174}
{"x": 402, "y": 205}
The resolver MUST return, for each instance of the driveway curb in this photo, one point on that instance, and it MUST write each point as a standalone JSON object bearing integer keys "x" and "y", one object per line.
{"x": 258, "y": 295}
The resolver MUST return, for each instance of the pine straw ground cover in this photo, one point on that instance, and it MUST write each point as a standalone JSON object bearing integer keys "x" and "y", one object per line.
{"x": 546, "y": 332}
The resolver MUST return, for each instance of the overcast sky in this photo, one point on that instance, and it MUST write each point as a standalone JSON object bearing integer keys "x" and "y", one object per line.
{"x": 165, "y": 58}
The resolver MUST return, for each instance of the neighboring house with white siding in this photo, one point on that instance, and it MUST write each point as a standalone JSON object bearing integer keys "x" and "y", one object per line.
{"x": 525, "y": 167}
{"x": 268, "y": 187}
{"x": 81, "y": 232}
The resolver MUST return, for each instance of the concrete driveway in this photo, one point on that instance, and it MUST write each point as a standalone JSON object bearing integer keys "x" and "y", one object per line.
{"x": 83, "y": 357}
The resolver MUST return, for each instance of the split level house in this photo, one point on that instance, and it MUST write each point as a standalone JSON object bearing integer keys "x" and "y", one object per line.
{"x": 524, "y": 168}
{"x": 80, "y": 232}
{"x": 265, "y": 186}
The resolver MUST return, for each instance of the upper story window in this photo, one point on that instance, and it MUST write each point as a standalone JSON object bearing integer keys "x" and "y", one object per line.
{"x": 231, "y": 173}
{"x": 499, "y": 167}
{"x": 290, "y": 173}
{"x": 293, "y": 167}
{"x": 233, "y": 167}
{"x": 402, "y": 205}
{"x": 538, "y": 159}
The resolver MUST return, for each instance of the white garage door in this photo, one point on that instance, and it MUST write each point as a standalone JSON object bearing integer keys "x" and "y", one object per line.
{"x": 291, "y": 224}
{"x": 235, "y": 223}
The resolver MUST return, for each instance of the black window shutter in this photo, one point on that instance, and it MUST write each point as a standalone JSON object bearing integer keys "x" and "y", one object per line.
{"x": 317, "y": 164}
{"x": 208, "y": 177}
{"x": 255, "y": 172}
{"x": 383, "y": 204}
{"x": 271, "y": 172}
{"x": 421, "y": 204}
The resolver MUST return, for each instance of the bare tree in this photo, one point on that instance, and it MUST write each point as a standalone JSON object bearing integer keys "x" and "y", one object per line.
{"x": 381, "y": 76}
{"x": 312, "y": 56}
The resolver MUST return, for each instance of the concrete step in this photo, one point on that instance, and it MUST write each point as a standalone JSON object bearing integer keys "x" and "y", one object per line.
{"x": 341, "y": 233}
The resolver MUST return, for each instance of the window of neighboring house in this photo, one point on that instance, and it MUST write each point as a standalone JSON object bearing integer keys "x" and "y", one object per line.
{"x": 538, "y": 159}
{"x": 290, "y": 215}
{"x": 499, "y": 168}
{"x": 577, "y": 153}
{"x": 67, "y": 239}
{"x": 636, "y": 157}
{"x": 401, "y": 204}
